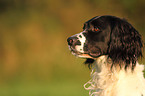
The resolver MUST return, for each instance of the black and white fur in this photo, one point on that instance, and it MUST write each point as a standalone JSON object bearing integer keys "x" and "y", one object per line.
{"x": 111, "y": 47}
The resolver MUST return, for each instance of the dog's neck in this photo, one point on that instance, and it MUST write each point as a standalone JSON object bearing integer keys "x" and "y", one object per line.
{"x": 115, "y": 81}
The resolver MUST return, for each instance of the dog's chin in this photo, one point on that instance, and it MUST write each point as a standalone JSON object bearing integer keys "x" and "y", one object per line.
{"x": 81, "y": 55}
{"x": 84, "y": 56}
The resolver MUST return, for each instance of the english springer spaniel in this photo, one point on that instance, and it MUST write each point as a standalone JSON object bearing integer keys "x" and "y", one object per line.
{"x": 111, "y": 47}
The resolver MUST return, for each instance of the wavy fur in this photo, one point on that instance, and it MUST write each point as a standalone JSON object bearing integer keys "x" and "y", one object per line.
{"x": 125, "y": 43}
{"x": 116, "y": 81}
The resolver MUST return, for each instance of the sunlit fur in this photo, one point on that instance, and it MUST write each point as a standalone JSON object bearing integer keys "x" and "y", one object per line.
{"x": 117, "y": 81}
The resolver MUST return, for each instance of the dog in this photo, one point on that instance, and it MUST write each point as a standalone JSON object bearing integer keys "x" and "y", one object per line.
{"x": 111, "y": 47}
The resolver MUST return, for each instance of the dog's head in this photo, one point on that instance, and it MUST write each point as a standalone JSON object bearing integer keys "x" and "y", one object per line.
{"x": 107, "y": 35}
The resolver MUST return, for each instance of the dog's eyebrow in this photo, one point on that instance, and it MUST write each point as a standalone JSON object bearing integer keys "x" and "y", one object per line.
{"x": 86, "y": 26}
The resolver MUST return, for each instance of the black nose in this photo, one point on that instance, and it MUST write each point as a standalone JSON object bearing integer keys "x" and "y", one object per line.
{"x": 70, "y": 40}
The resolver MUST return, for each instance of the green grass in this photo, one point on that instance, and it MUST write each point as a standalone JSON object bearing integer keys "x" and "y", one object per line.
{"x": 45, "y": 89}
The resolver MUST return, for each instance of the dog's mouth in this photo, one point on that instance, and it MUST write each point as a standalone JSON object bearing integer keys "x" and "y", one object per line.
{"x": 79, "y": 54}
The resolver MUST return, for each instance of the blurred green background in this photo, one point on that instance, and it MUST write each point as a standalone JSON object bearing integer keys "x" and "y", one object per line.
{"x": 34, "y": 56}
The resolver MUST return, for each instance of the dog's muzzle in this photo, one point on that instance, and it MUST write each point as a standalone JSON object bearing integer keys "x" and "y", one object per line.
{"x": 76, "y": 44}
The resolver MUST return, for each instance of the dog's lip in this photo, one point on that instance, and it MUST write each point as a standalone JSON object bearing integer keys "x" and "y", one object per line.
{"x": 80, "y": 54}
{"x": 75, "y": 51}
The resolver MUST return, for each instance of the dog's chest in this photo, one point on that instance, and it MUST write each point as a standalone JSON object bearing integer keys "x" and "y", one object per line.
{"x": 129, "y": 84}
{"x": 116, "y": 82}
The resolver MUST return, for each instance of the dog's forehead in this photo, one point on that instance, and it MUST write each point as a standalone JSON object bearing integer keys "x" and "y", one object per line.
{"x": 87, "y": 25}
{"x": 92, "y": 19}
{"x": 100, "y": 22}
{"x": 90, "y": 22}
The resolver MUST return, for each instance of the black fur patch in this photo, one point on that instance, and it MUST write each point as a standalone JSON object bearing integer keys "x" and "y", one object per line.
{"x": 117, "y": 38}
{"x": 114, "y": 37}
{"x": 89, "y": 61}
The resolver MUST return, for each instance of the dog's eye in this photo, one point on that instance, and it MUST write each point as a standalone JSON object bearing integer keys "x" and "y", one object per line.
{"x": 96, "y": 29}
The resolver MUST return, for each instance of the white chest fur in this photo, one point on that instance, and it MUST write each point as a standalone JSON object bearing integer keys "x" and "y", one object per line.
{"x": 115, "y": 82}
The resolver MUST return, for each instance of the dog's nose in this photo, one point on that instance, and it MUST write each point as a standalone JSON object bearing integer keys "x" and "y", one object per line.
{"x": 70, "y": 40}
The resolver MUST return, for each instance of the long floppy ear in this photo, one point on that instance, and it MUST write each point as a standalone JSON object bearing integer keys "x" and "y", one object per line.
{"x": 125, "y": 43}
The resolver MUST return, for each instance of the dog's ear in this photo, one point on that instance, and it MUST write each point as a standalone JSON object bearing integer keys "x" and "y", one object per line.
{"x": 125, "y": 43}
